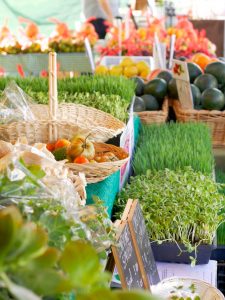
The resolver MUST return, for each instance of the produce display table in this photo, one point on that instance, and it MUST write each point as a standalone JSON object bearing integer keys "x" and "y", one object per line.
{"x": 34, "y": 63}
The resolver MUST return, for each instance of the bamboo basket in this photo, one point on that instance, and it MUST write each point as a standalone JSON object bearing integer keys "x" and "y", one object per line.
{"x": 214, "y": 119}
{"x": 65, "y": 119}
{"x": 54, "y": 122}
{"x": 158, "y": 117}
{"x": 96, "y": 172}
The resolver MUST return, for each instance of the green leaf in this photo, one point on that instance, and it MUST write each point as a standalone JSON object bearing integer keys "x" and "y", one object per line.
{"x": 31, "y": 241}
{"x": 10, "y": 221}
{"x": 22, "y": 293}
{"x": 48, "y": 259}
{"x": 81, "y": 262}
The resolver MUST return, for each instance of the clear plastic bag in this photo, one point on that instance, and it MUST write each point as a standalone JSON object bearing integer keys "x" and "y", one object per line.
{"x": 42, "y": 188}
{"x": 15, "y": 105}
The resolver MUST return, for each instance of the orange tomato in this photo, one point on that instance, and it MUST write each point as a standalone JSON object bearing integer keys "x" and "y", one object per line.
{"x": 50, "y": 147}
{"x": 201, "y": 59}
{"x": 62, "y": 143}
{"x": 81, "y": 160}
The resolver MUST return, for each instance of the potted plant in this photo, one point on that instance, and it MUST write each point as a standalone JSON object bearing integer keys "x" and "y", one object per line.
{"x": 182, "y": 210}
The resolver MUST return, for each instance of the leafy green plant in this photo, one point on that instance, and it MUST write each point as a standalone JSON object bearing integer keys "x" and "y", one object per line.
{"x": 174, "y": 146}
{"x": 107, "y": 93}
{"x": 39, "y": 205}
{"x": 180, "y": 206}
{"x": 30, "y": 269}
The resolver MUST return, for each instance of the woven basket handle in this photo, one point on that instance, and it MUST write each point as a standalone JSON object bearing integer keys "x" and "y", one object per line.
{"x": 53, "y": 96}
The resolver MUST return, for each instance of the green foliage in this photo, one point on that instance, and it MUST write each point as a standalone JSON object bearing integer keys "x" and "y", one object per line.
{"x": 39, "y": 205}
{"x": 174, "y": 146}
{"x": 30, "y": 269}
{"x": 183, "y": 206}
{"x": 107, "y": 93}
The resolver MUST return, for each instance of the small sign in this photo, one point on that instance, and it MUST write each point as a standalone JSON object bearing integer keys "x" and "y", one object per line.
{"x": 126, "y": 260}
{"x": 180, "y": 73}
{"x": 142, "y": 243}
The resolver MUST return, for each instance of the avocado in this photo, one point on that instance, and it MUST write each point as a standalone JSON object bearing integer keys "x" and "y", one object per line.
{"x": 206, "y": 81}
{"x": 213, "y": 99}
{"x": 150, "y": 102}
{"x": 139, "y": 82}
{"x": 194, "y": 71}
{"x": 196, "y": 94}
{"x": 217, "y": 69}
{"x": 172, "y": 89}
{"x": 139, "y": 104}
{"x": 157, "y": 88}
{"x": 166, "y": 75}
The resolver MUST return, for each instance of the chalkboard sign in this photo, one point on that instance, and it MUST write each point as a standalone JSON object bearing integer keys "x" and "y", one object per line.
{"x": 126, "y": 259}
{"x": 142, "y": 245}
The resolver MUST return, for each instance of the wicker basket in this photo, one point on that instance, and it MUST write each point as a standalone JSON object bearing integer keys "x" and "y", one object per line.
{"x": 96, "y": 172}
{"x": 214, "y": 119}
{"x": 151, "y": 117}
{"x": 62, "y": 121}
{"x": 70, "y": 119}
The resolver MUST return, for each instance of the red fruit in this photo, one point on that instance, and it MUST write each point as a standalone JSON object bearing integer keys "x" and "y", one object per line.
{"x": 81, "y": 160}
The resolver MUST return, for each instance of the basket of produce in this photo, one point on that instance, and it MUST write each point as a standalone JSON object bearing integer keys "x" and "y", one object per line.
{"x": 208, "y": 99}
{"x": 96, "y": 160}
{"x": 151, "y": 103}
{"x": 37, "y": 122}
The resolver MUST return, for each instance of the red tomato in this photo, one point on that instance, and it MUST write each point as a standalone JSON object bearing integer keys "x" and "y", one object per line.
{"x": 62, "y": 143}
{"x": 81, "y": 160}
{"x": 50, "y": 147}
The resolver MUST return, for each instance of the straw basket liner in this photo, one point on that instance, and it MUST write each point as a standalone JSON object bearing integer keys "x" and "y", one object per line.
{"x": 214, "y": 119}
{"x": 99, "y": 171}
{"x": 160, "y": 116}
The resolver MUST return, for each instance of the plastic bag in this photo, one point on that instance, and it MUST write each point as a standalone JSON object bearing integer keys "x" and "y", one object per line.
{"x": 15, "y": 105}
{"x": 42, "y": 188}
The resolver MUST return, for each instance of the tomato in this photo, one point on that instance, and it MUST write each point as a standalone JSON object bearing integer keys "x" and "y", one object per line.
{"x": 62, "y": 143}
{"x": 50, "y": 147}
{"x": 81, "y": 160}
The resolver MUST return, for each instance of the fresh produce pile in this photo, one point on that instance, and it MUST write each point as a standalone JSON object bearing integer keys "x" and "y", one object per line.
{"x": 30, "y": 40}
{"x": 80, "y": 150}
{"x": 150, "y": 95}
{"x": 174, "y": 146}
{"x": 187, "y": 201}
{"x": 140, "y": 41}
{"x": 110, "y": 94}
{"x": 207, "y": 82}
{"x": 127, "y": 67}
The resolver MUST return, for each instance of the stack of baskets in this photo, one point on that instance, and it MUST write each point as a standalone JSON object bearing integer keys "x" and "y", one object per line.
{"x": 66, "y": 120}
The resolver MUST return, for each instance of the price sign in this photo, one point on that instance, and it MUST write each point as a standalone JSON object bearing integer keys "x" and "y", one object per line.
{"x": 180, "y": 73}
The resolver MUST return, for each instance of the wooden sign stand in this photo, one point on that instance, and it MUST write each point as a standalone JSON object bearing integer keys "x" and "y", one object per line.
{"x": 133, "y": 222}
{"x": 180, "y": 73}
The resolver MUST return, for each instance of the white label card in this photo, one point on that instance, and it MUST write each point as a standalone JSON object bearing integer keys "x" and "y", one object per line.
{"x": 180, "y": 73}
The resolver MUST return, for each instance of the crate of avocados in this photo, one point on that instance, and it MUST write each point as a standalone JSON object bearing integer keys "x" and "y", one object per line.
{"x": 151, "y": 102}
{"x": 215, "y": 119}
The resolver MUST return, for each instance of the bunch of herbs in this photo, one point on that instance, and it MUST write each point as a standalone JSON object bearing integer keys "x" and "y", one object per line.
{"x": 174, "y": 146}
{"x": 181, "y": 206}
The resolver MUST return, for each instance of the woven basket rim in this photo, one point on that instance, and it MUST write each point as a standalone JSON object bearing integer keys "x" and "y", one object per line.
{"x": 163, "y": 111}
{"x": 211, "y": 113}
